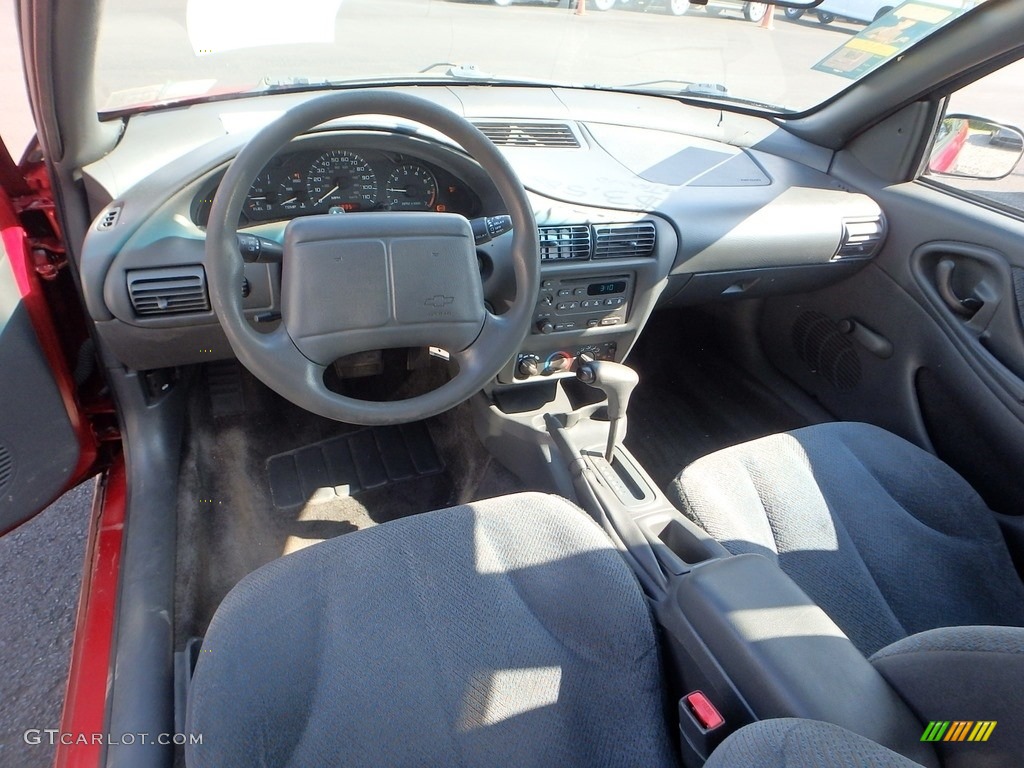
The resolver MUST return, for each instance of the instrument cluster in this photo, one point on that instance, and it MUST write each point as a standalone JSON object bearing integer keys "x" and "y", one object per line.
{"x": 333, "y": 179}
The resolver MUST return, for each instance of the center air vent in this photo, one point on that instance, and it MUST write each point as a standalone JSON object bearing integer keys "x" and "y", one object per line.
{"x": 568, "y": 242}
{"x": 170, "y": 291}
{"x": 530, "y": 134}
{"x": 861, "y": 238}
{"x": 622, "y": 241}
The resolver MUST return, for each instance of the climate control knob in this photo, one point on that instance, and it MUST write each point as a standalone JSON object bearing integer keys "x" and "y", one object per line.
{"x": 529, "y": 365}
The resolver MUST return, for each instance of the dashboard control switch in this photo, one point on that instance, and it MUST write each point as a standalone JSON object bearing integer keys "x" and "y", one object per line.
{"x": 487, "y": 228}
{"x": 259, "y": 250}
{"x": 545, "y": 326}
{"x": 529, "y": 365}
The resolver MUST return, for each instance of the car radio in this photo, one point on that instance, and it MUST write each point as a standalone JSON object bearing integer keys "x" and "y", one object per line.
{"x": 578, "y": 303}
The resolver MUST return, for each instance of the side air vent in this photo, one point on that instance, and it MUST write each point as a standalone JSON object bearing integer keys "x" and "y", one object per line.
{"x": 530, "y": 134}
{"x": 861, "y": 238}
{"x": 109, "y": 219}
{"x": 622, "y": 241}
{"x": 171, "y": 291}
{"x": 561, "y": 243}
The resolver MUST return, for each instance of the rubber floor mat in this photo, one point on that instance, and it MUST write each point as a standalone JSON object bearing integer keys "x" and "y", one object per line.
{"x": 358, "y": 461}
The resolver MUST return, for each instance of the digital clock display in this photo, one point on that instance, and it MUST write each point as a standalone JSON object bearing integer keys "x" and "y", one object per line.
{"x": 603, "y": 289}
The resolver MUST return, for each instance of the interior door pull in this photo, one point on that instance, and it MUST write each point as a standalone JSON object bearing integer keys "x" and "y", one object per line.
{"x": 944, "y": 282}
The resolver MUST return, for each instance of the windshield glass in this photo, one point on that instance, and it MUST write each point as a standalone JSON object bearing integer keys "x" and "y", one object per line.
{"x": 777, "y": 60}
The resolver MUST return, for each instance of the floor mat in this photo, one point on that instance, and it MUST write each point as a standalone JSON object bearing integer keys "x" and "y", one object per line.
{"x": 343, "y": 466}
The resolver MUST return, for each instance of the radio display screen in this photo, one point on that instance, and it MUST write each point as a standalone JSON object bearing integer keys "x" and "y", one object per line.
{"x": 602, "y": 289}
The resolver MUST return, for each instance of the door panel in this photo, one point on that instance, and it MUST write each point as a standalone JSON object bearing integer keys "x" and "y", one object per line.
{"x": 972, "y": 290}
{"x": 39, "y": 445}
{"x": 953, "y": 382}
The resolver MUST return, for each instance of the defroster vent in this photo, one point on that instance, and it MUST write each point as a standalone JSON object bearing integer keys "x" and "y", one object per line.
{"x": 530, "y": 134}
{"x": 623, "y": 241}
{"x": 168, "y": 291}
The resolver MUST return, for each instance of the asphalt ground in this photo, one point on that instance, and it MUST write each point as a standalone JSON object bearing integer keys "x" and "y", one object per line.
{"x": 40, "y": 577}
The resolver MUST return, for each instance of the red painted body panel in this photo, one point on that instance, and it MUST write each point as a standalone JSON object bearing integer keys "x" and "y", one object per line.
{"x": 85, "y": 703}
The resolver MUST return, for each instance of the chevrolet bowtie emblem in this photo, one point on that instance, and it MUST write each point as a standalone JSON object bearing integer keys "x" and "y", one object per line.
{"x": 439, "y": 301}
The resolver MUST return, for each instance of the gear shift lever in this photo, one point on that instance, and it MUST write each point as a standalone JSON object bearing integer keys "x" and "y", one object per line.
{"x": 617, "y": 382}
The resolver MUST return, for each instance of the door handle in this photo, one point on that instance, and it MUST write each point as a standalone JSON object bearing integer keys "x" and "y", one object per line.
{"x": 944, "y": 282}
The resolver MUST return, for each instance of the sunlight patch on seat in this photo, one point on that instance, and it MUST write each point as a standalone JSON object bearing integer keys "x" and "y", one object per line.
{"x": 548, "y": 547}
{"x": 495, "y": 696}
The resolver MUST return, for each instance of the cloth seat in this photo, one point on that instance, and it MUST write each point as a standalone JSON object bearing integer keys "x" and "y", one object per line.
{"x": 885, "y": 537}
{"x": 508, "y": 632}
{"x": 796, "y": 743}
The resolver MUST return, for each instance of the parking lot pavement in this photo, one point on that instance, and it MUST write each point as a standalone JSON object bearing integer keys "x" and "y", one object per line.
{"x": 40, "y": 575}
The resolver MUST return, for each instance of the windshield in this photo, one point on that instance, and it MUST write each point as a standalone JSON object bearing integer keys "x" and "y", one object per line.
{"x": 169, "y": 51}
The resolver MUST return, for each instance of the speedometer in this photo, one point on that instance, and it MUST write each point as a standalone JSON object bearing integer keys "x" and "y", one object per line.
{"x": 341, "y": 178}
{"x": 411, "y": 187}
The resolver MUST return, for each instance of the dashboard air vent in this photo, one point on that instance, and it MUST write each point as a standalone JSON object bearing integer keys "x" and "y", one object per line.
{"x": 561, "y": 243}
{"x": 109, "y": 218}
{"x": 169, "y": 291}
{"x": 623, "y": 241}
{"x": 861, "y": 238}
{"x": 527, "y": 134}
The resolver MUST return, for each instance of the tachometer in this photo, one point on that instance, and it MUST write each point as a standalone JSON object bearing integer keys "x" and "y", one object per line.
{"x": 411, "y": 187}
{"x": 344, "y": 179}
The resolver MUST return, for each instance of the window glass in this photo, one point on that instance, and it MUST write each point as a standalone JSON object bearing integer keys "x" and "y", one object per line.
{"x": 16, "y": 126}
{"x": 980, "y": 137}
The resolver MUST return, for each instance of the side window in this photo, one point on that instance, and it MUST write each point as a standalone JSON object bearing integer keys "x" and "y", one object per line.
{"x": 16, "y": 126}
{"x": 979, "y": 143}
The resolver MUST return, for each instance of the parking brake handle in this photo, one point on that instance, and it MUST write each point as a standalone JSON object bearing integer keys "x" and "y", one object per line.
{"x": 617, "y": 382}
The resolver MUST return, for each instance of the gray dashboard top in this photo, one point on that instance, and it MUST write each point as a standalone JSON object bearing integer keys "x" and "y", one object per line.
{"x": 739, "y": 191}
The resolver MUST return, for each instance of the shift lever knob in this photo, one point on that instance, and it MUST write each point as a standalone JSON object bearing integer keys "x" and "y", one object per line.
{"x": 617, "y": 382}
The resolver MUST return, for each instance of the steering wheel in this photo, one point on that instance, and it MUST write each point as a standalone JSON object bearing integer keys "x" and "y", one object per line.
{"x": 362, "y": 281}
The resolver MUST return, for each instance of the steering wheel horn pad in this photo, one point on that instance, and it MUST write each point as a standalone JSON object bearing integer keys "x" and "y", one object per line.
{"x": 379, "y": 282}
{"x": 354, "y": 282}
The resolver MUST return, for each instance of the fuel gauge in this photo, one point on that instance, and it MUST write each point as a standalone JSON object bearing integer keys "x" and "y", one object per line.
{"x": 262, "y": 198}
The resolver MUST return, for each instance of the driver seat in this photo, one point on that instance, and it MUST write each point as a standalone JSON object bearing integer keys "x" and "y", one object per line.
{"x": 507, "y": 632}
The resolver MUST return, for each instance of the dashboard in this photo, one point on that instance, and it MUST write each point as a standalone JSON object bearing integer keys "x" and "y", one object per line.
{"x": 640, "y": 202}
{"x": 332, "y": 174}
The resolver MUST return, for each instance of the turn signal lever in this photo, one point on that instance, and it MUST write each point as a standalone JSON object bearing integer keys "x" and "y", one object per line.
{"x": 617, "y": 382}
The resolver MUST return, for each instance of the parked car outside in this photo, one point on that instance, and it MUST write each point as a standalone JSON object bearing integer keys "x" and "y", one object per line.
{"x": 862, "y": 11}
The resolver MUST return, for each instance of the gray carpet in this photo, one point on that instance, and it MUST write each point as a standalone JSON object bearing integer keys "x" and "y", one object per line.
{"x": 40, "y": 577}
{"x": 693, "y": 399}
{"x": 228, "y": 523}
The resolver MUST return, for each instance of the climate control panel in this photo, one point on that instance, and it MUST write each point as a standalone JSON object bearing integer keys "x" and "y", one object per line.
{"x": 565, "y": 360}
{"x": 578, "y": 303}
